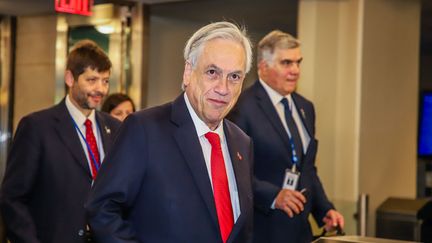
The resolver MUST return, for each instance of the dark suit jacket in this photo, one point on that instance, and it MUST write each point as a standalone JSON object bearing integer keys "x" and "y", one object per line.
{"x": 154, "y": 186}
{"x": 257, "y": 116}
{"x": 47, "y": 178}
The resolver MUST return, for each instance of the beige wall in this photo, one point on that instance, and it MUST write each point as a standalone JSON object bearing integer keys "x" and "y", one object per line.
{"x": 35, "y": 64}
{"x": 361, "y": 70}
{"x": 389, "y": 95}
{"x": 329, "y": 32}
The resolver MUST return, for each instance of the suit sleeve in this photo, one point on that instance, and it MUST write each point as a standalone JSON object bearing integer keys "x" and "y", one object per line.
{"x": 117, "y": 184}
{"x": 320, "y": 202}
{"x": 322, "y": 205}
{"x": 21, "y": 170}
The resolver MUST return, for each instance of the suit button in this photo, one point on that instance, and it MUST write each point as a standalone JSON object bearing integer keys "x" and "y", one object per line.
{"x": 81, "y": 232}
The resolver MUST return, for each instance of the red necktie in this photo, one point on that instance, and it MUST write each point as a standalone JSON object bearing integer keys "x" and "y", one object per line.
{"x": 220, "y": 187}
{"x": 91, "y": 141}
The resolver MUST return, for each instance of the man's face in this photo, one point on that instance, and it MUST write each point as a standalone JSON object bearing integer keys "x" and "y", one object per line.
{"x": 89, "y": 90}
{"x": 214, "y": 86}
{"x": 283, "y": 73}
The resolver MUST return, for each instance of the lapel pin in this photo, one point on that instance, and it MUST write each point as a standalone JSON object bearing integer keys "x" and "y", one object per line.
{"x": 303, "y": 113}
{"x": 239, "y": 157}
{"x": 107, "y": 130}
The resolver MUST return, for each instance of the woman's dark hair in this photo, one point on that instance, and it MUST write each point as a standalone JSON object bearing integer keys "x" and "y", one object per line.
{"x": 114, "y": 100}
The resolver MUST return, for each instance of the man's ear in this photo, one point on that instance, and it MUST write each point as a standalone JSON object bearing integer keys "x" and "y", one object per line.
{"x": 262, "y": 65}
{"x": 69, "y": 79}
{"x": 262, "y": 68}
{"x": 187, "y": 74}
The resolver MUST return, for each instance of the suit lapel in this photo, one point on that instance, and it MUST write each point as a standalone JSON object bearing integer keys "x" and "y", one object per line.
{"x": 68, "y": 135}
{"x": 190, "y": 147}
{"x": 241, "y": 170}
{"x": 105, "y": 131}
{"x": 302, "y": 113}
{"x": 270, "y": 113}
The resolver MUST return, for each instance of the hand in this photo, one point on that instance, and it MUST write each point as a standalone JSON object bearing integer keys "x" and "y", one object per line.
{"x": 289, "y": 201}
{"x": 332, "y": 220}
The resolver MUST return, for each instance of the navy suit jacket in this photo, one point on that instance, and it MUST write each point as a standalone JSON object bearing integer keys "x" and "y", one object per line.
{"x": 154, "y": 186}
{"x": 47, "y": 178}
{"x": 257, "y": 116}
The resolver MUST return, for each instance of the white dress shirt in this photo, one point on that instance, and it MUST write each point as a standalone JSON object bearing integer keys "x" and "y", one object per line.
{"x": 79, "y": 119}
{"x": 276, "y": 98}
{"x": 201, "y": 129}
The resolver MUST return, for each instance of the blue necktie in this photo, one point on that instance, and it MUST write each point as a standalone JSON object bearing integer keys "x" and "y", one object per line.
{"x": 292, "y": 127}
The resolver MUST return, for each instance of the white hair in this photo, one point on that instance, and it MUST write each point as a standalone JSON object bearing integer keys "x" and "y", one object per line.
{"x": 273, "y": 40}
{"x": 223, "y": 30}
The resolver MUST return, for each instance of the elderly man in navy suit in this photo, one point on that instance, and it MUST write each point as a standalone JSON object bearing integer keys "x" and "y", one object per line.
{"x": 56, "y": 154}
{"x": 281, "y": 124}
{"x": 180, "y": 172}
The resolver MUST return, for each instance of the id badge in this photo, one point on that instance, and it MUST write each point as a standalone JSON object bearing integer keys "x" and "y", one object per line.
{"x": 291, "y": 179}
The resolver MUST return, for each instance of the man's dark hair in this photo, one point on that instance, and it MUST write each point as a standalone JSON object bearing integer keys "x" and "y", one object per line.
{"x": 87, "y": 54}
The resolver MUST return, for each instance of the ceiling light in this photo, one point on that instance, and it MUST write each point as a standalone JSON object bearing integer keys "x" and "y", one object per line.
{"x": 105, "y": 29}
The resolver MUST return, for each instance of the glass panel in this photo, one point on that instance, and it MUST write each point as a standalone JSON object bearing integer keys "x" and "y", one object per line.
{"x": 6, "y": 24}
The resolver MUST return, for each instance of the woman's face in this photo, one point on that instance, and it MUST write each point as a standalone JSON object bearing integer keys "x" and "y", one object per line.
{"x": 122, "y": 110}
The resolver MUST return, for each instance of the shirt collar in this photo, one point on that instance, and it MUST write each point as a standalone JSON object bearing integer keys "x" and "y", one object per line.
{"x": 77, "y": 115}
{"x": 275, "y": 97}
{"x": 200, "y": 127}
